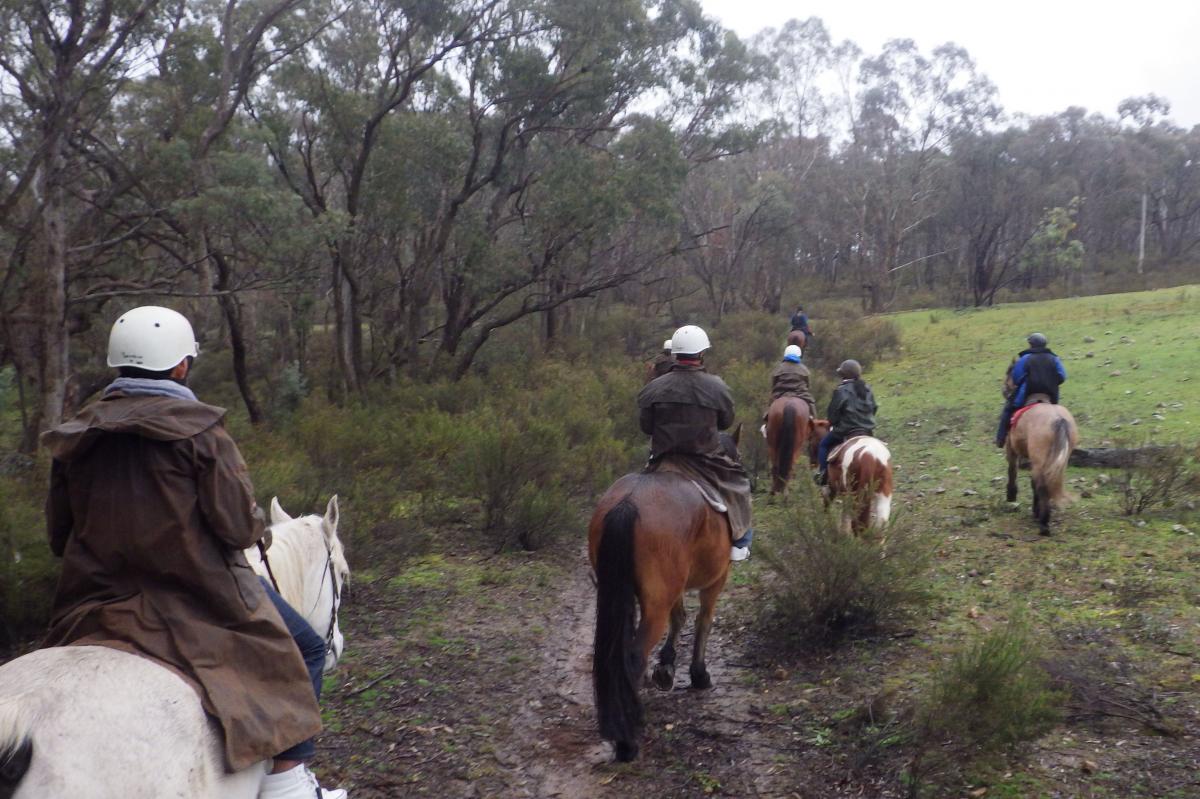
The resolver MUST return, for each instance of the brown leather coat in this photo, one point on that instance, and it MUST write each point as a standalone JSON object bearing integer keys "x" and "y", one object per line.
{"x": 682, "y": 412}
{"x": 791, "y": 379}
{"x": 150, "y": 507}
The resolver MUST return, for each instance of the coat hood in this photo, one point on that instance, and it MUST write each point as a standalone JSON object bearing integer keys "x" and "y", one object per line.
{"x": 156, "y": 418}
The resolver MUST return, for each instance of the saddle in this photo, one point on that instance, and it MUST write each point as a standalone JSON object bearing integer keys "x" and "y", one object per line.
{"x": 1034, "y": 399}
{"x": 708, "y": 492}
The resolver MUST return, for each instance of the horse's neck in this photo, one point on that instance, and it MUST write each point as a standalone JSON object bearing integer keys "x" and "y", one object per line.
{"x": 299, "y": 566}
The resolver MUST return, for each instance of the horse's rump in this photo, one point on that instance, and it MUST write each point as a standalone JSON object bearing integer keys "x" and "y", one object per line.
{"x": 797, "y": 337}
{"x": 861, "y": 469}
{"x": 788, "y": 428}
{"x": 722, "y": 474}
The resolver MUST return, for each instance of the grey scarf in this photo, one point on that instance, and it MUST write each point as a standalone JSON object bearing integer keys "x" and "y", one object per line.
{"x": 149, "y": 387}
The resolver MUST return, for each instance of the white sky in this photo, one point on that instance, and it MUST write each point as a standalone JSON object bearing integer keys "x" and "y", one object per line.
{"x": 1042, "y": 55}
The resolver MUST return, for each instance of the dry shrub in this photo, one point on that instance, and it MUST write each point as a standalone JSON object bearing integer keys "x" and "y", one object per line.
{"x": 1159, "y": 478}
{"x": 829, "y": 585}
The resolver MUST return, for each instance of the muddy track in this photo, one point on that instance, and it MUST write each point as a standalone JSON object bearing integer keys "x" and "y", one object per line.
{"x": 689, "y": 733}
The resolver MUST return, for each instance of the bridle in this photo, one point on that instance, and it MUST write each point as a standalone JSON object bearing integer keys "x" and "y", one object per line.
{"x": 337, "y": 598}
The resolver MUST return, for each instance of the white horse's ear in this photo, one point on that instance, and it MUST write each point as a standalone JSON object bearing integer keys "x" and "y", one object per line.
{"x": 330, "y": 522}
{"x": 278, "y": 515}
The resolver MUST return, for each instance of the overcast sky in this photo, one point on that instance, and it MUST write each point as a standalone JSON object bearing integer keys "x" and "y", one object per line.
{"x": 1042, "y": 55}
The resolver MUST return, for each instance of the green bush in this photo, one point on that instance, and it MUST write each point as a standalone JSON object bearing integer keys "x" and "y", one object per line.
{"x": 28, "y": 570}
{"x": 991, "y": 693}
{"x": 829, "y": 585}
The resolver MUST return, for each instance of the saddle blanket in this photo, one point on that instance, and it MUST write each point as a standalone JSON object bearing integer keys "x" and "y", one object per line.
{"x": 1018, "y": 414}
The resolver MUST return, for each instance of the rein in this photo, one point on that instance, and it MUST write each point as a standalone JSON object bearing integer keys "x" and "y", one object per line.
{"x": 337, "y": 596}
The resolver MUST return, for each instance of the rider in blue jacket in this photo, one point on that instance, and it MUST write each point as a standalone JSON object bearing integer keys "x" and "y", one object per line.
{"x": 1037, "y": 370}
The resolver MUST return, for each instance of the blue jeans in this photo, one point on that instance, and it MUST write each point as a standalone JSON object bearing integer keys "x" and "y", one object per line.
{"x": 828, "y": 444}
{"x": 312, "y": 649}
{"x": 1005, "y": 419}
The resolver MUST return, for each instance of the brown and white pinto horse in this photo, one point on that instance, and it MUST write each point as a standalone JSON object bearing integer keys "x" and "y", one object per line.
{"x": 797, "y": 337}
{"x": 1046, "y": 435}
{"x": 789, "y": 429}
{"x": 860, "y": 471}
{"x": 652, "y": 537}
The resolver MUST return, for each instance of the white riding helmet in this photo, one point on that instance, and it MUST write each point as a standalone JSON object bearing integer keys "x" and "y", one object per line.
{"x": 667, "y": 345}
{"x": 792, "y": 350}
{"x": 689, "y": 340}
{"x": 151, "y": 338}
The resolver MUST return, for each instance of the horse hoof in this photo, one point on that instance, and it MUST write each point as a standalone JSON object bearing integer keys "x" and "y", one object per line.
{"x": 701, "y": 681}
{"x": 626, "y": 751}
{"x": 1044, "y": 530}
{"x": 664, "y": 678}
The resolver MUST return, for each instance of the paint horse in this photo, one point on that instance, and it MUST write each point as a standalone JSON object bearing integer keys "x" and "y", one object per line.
{"x": 99, "y": 723}
{"x": 1046, "y": 435}
{"x": 652, "y": 537}
{"x": 860, "y": 471}
{"x": 788, "y": 431}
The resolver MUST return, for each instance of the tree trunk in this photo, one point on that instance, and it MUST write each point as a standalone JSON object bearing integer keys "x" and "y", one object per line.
{"x": 232, "y": 311}
{"x": 55, "y": 340}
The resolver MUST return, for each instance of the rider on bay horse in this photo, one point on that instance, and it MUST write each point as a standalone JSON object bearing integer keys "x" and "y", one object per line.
{"x": 1037, "y": 370}
{"x": 150, "y": 507}
{"x": 662, "y": 362}
{"x": 800, "y": 322}
{"x": 790, "y": 379}
{"x": 851, "y": 412}
{"x": 682, "y": 412}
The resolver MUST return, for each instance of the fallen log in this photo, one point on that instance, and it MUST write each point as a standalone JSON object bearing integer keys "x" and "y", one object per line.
{"x": 1115, "y": 457}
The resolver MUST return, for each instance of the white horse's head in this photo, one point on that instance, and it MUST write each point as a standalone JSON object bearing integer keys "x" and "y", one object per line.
{"x": 310, "y": 566}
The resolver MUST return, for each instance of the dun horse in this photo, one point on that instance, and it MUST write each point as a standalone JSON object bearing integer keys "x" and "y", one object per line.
{"x": 789, "y": 429}
{"x": 1046, "y": 435}
{"x": 652, "y": 537}
{"x": 99, "y": 723}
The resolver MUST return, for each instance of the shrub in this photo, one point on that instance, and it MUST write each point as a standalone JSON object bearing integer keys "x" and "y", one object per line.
{"x": 828, "y": 585}
{"x": 992, "y": 692}
{"x": 28, "y": 570}
{"x": 1158, "y": 477}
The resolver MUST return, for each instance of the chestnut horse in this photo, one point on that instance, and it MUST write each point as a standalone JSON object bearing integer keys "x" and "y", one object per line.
{"x": 860, "y": 471}
{"x": 797, "y": 337}
{"x": 789, "y": 429}
{"x": 652, "y": 537}
{"x": 1046, "y": 435}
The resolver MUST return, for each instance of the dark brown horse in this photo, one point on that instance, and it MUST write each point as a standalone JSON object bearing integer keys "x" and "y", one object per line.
{"x": 789, "y": 428}
{"x": 652, "y": 537}
{"x": 1046, "y": 435}
{"x": 797, "y": 337}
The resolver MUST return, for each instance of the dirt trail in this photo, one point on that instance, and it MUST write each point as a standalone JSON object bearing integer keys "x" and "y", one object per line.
{"x": 693, "y": 741}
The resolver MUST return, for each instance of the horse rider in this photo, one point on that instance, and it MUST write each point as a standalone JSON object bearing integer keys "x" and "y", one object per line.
{"x": 661, "y": 364}
{"x": 790, "y": 379}
{"x": 800, "y": 322}
{"x": 682, "y": 412}
{"x": 150, "y": 507}
{"x": 851, "y": 413}
{"x": 1037, "y": 370}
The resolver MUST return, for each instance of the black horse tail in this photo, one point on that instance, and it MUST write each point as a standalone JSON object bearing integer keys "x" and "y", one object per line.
{"x": 785, "y": 447}
{"x": 616, "y": 662}
{"x": 16, "y": 749}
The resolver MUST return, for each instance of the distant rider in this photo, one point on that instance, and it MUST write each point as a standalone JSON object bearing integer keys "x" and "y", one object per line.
{"x": 851, "y": 413}
{"x": 661, "y": 364}
{"x": 682, "y": 412}
{"x": 1037, "y": 370}
{"x": 800, "y": 322}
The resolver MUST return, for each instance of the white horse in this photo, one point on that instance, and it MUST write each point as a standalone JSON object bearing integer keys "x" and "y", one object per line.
{"x": 89, "y": 722}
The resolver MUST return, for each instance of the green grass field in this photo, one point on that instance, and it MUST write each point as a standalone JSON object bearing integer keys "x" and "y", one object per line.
{"x": 1105, "y": 588}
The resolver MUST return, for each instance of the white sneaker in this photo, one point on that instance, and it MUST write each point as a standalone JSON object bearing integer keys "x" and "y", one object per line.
{"x": 739, "y": 553}
{"x": 296, "y": 783}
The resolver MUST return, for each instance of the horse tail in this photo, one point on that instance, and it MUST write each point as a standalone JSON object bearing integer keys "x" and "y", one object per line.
{"x": 616, "y": 661}
{"x": 785, "y": 450}
{"x": 16, "y": 747}
{"x": 1056, "y": 466}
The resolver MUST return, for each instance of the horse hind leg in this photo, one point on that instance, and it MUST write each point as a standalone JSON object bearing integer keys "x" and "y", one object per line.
{"x": 1043, "y": 507}
{"x": 1012, "y": 478}
{"x": 664, "y": 672}
{"x": 708, "y": 608}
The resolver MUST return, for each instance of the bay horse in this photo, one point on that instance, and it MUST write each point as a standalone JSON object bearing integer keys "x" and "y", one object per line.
{"x": 860, "y": 471}
{"x": 652, "y": 537}
{"x": 90, "y": 722}
{"x": 789, "y": 428}
{"x": 1045, "y": 434}
{"x": 797, "y": 337}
